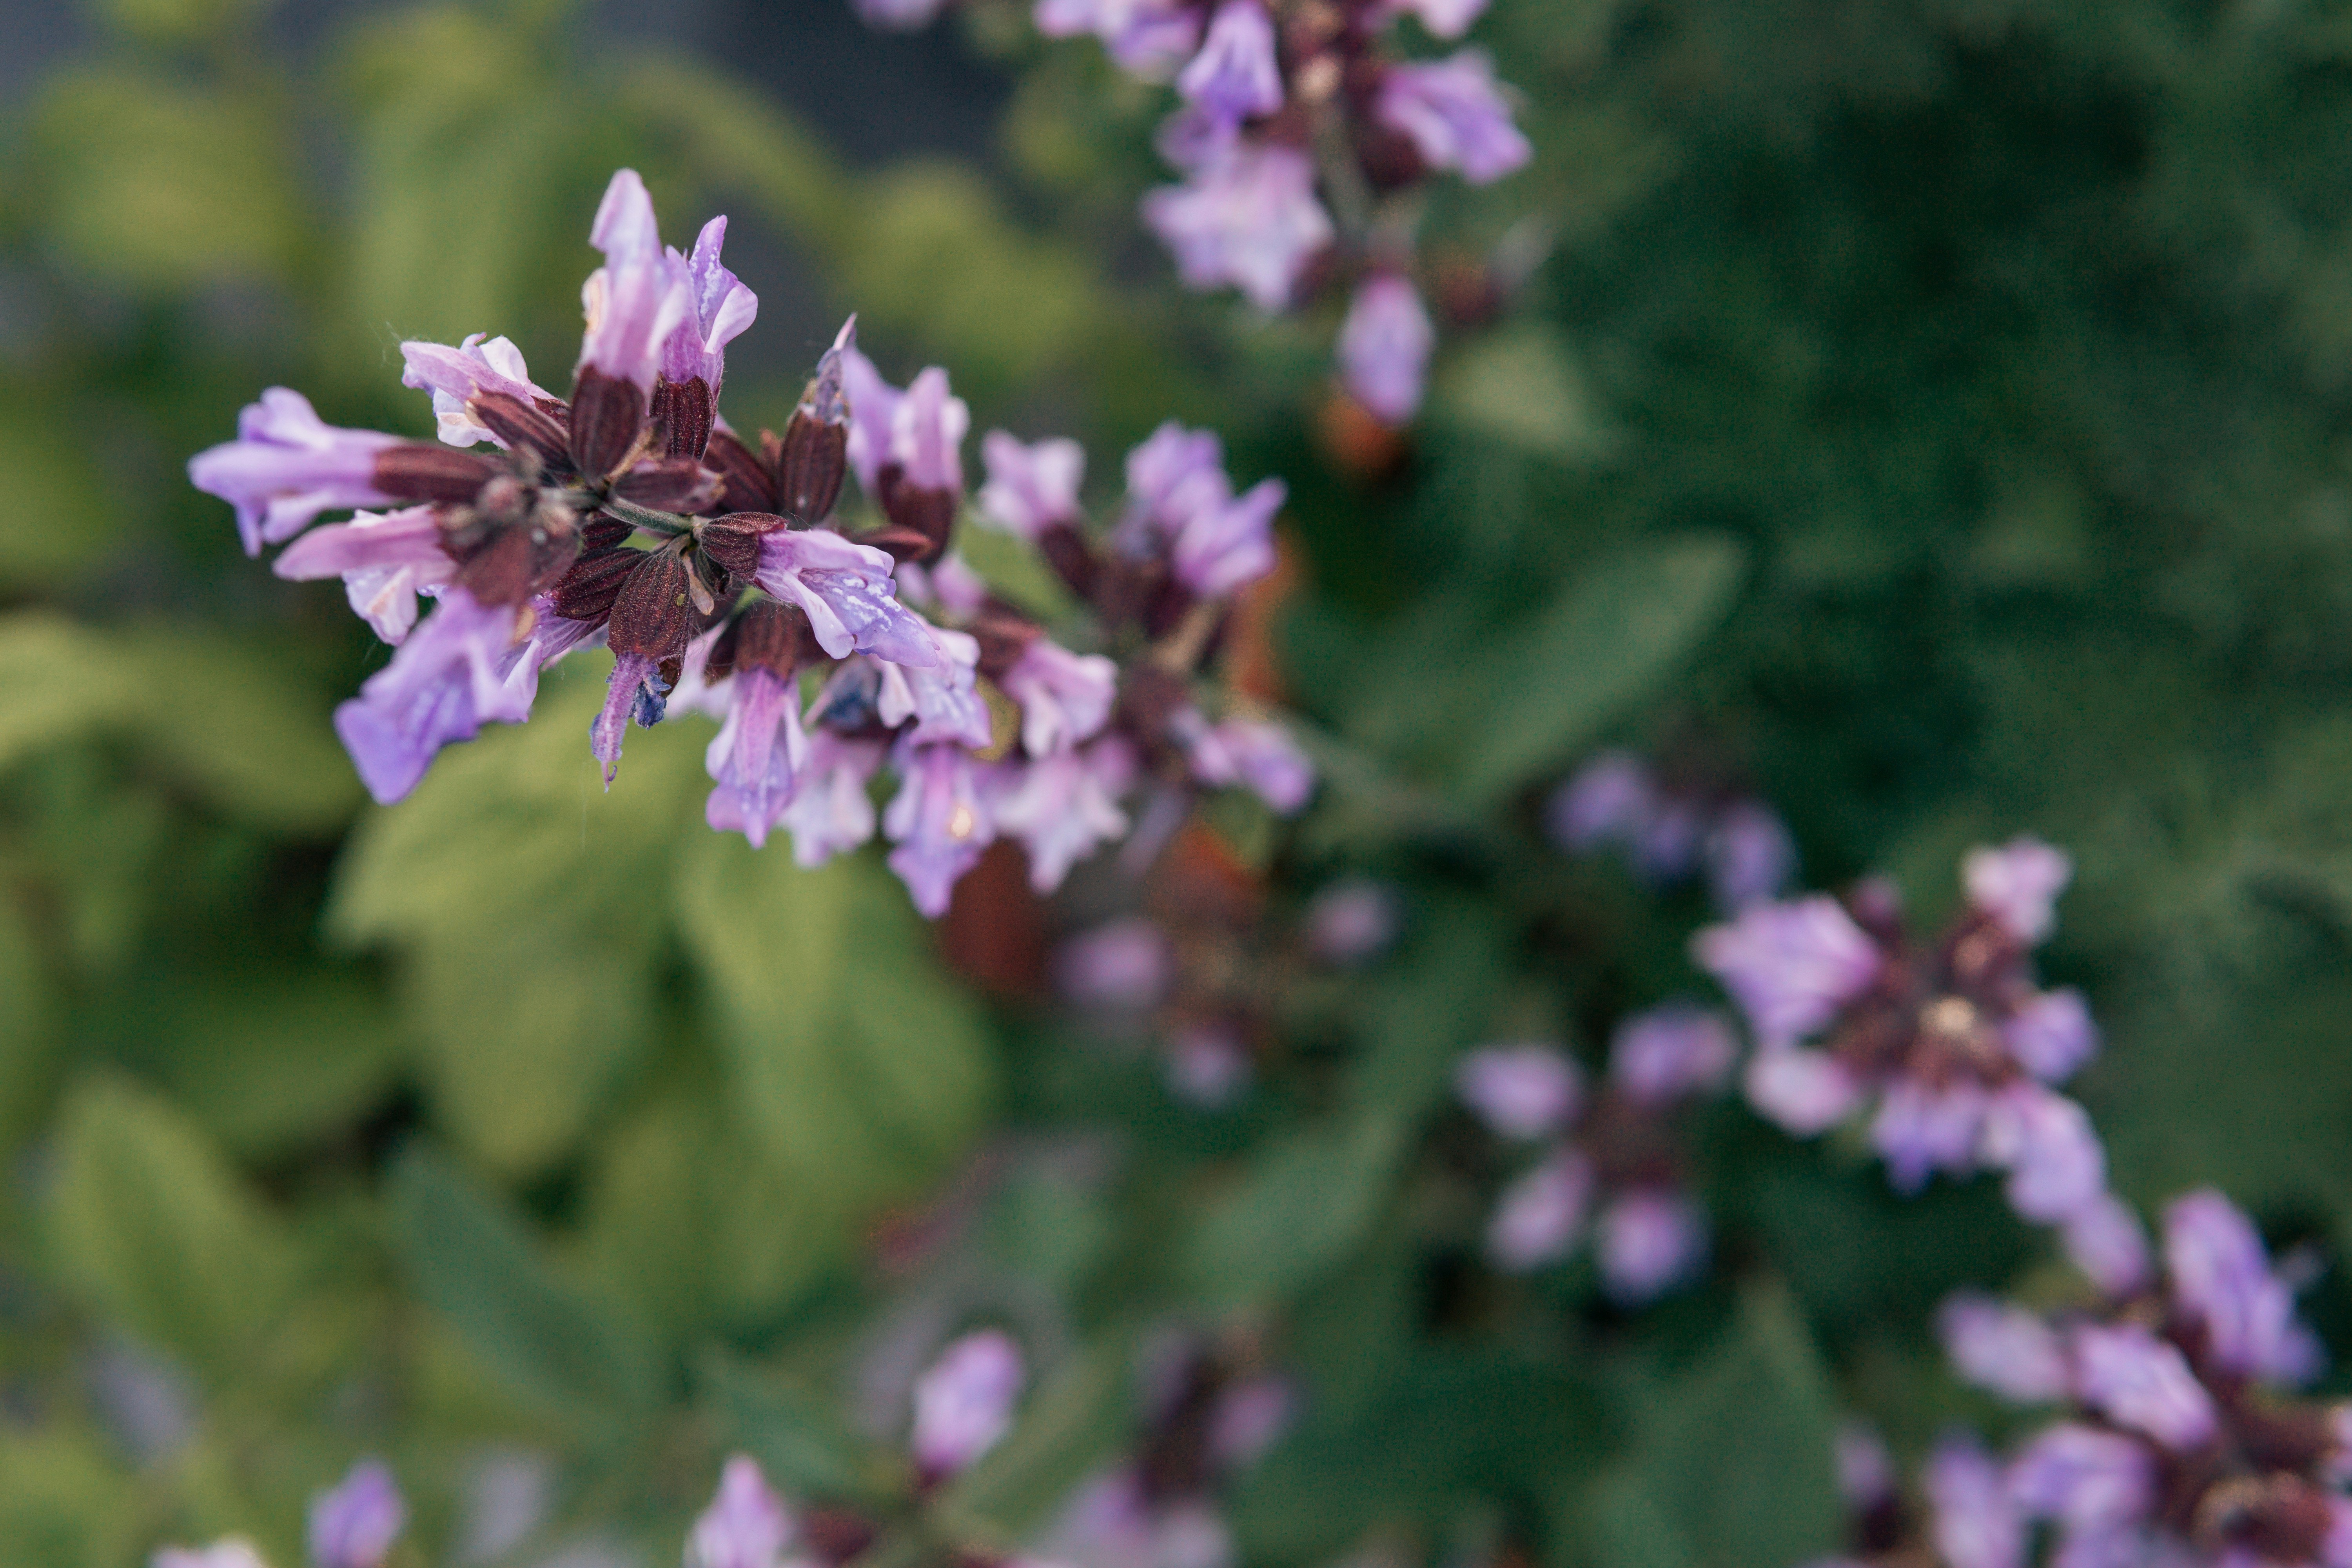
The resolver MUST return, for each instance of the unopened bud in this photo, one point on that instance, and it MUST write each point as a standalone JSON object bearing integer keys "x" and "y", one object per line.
{"x": 414, "y": 472}
{"x": 607, "y": 412}
{"x": 682, "y": 415}
{"x": 653, "y": 615}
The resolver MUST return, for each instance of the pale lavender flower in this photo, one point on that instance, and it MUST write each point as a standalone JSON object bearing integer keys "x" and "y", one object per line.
{"x": 1208, "y": 1065}
{"x": 926, "y": 432}
{"x": 948, "y": 582}
{"x": 1523, "y": 1091}
{"x": 1251, "y": 220}
{"x": 2106, "y": 1242}
{"x": 846, "y": 591}
{"x": 1444, "y": 18}
{"x": 1454, "y": 115}
{"x": 354, "y": 1524}
{"x": 939, "y": 822}
{"x": 637, "y": 299}
{"x": 1032, "y": 488}
{"x": 2056, "y": 1165}
{"x": 1647, "y": 1242}
{"x": 1234, "y": 77}
{"x": 1352, "y": 922}
{"x": 1112, "y": 1521}
{"x": 385, "y": 559}
{"x": 746, "y": 1525}
{"x": 1865, "y": 1471}
{"x": 2222, "y": 1280}
{"x": 1228, "y": 545}
{"x": 754, "y": 761}
{"x": 1384, "y": 347}
{"x": 1174, "y": 473}
{"x": 1921, "y": 1129}
{"x": 2017, "y": 885}
{"x": 1976, "y": 1525}
{"x": 943, "y": 700}
{"x": 718, "y": 308}
{"x": 1064, "y": 697}
{"x": 1804, "y": 1091}
{"x": 1124, "y": 964}
{"x": 1250, "y": 752}
{"x": 2003, "y": 1348}
{"x": 2050, "y": 1035}
{"x": 2087, "y": 1478}
{"x": 1608, "y": 798}
{"x": 1148, "y": 38}
{"x": 872, "y": 416}
{"x": 1540, "y": 1216}
{"x": 2138, "y": 1381}
{"x": 830, "y": 811}
{"x": 1750, "y": 855}
{"x": 230, "y": 1552}
{"x": 286, "y": 466}
{"x": 963, "y": 1404}
{"x": 1063, "y": 807}
{"x": 1194, "y": 140}
{"x": 1790, "y": 966}
{"x": 463, "y": 667}
{"x": 455, "y": 376}
{"x": 1660, "y": 1056}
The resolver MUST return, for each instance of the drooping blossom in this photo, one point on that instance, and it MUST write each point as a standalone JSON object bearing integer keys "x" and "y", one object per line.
{"x": 1648, "y": 1241}
{"x": 455, "y": 376}
{"x": 354, "y": 1524}
{"x": 939, "y": 822}
{"x": 1352, "y": 922}
{"x": 756, "y": 758}
{"x": 1064, "y": 805}
{"x": 830, "y": 812}
{"x": 1977, "y": 1524}
{"x": 1454, "y": 115}
{"x": 1123, "y": 964}
{"x": 1671, "y": 1052}
{"x": 1250, "y": 219}
{"x": 1540, "y": 1216}
{"x": 1065, "y": 698}
{"x": 1790, "y": 966}
{"x": 385, "y": 559}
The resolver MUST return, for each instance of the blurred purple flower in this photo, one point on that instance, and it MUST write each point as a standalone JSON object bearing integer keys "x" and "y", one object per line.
{"x": 1384, "y": 347}
{"x": 2088, "y": 1479}
{"x": 2106, "y": 1241}
{"x": 1234, "y": 77}
{"x": 1230, "y": 543}
{"x": 1608, "y": 798}
{"x": 1064, "y": 697}
{"x": 1976, "y": 1525}
{"x": 1666, "y": 1053}
{"x": 1030, "y": 488}
{"x": 2017, "y": 885}
{"x": 1208, "y": 1065}
{"x": 1541, "y": 1213}
{"x": 1352, "y": 922}
{"x": 1804, "y": 1091}
{"x": 938, "y": 823}
{"x": 1250, "y": 219}
{"x": 2222, "y": 1281}
{"x": 1790, "y": 966}
{"x": 1123, "y": 964}
{"x": 1148, "y": 38}
{"x": 830, "y": 811}
{"x": 2138, "y": 1381}
{"x": 746, "y": 1525}
{"x": 963, "y": 1404}
{"x": 1063, "y": 807}
{"x": 1648, "y": 1241}
{"x": 354, "y": 1524}
{"x": 2050, "y": 1035}
{"x": 1454, "y": 115}
{"x": 1750, "y": 855}
{"x": 1525, "y": 1091}
{"x": 2003, "y": 1348}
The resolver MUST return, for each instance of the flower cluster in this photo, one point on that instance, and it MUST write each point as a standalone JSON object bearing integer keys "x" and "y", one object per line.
{"x": 2176, "y": 1441}
{"x": 1302, "y": 141}
{"x": 1954, "y": 1041}
{"x": 1670, "y": 829}
{"x": 717, "y": 571}
{"x": 1614, "y": 1151}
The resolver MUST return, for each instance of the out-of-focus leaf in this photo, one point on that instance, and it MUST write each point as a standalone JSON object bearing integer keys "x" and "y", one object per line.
{"x": 58, "y": 525}
{"x": 163, "y": 185}
{"x": 38, "y": 710}
{"x": 1731, "y": 1461}
{"x": 1070, "y": 1426}
{"x": 480, "y": 1267}
{"x": 1427, "y": 1007}
{"x": 1522, "y": 388}
{"x": 62, "y": 1505}
{"x": 29, "y": 1014}
{"x": 792, "y": 1431}
{"x": 1296, "y": 1210}
{"x": 150, "y": 1221}
{"x": 230, "y": 724}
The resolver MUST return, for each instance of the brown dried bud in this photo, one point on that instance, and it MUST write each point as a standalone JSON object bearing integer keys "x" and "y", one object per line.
{"x": 1003, "y": 637}
{"x": 836, "y": 1535}
{"x": 653, "y": 615}
{"x": 422, "y": 471}
{"x": 522, "y": 426}
{"x": 928, "y": 514}
{"x": 811, "y": 461}
{"x": 518, "y": 560}
{"x": 732, "y": 545}
{"x": 904, "y": 544}
{"x": 772, "y": 636}
{"x": 668, "y": 484}
{"x": 607, "y": 413}
{"x": 588, "y": 590}
{"x": 1066, "y": 551}
{"x": 682, "y": 415}
{"x": 746, "y": 482}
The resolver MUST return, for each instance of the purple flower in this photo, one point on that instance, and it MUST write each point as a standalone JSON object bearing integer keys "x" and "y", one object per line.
{"x": 354, "y": 1524}
{"x": 1173, "y": 474}
{"x": 1124, "y": 964}
{"x": 2003, "y": 1348}
{"x": 943, "y": 701}
{"x": 2050, "y": 1035}
{"x": 1208, "y": 1065}
{"x": 1660, "y": 1056}
{"x": 1804, "y": 1091}
{"x": 939, "y": 822}
{"x": 1227, "y": 546}
{"x": 1251, "y": 220}
{"x": 1610, "y": 797}
{"x": 831, "y": 812}
{"x": 1064, "y": 805}
{"x": 2016, "y": 885}
{"x": 1148, "y": 38}
{"x": 746, "y": 1525}
{"x": 1249, "y": 1419}
{"x": 634, "y": 691}
{"x": 1520, "y": 1092}
{"x": 286, "y": 466}
{"x": 1234, "y": 77}
{"x": 384, "y": 560}
{"x": 455, "y": 376}
{"x": 846, "y": 591}
{"x": 1444, "y": 18}
{"x": 637, "y": 299}
{"x": 2106, "y": 1241}
{"x": 718, "y": 308}
{"x": 2221, "y": 1279}
{"x": 1352, "y": 922}
{"x": 1647, "y": 1242}
{"x": 1790, "y": 966}
{"x": 873, "y": 414}
{"x": 1030, "y": 489}
{"x": 926, "y": 431}
{"x": 1976, "y": 1525}
{"x": 1454, "y": 115}
{"x": 1064, "y": 697}
{"x": 755, "y": 759}
{"x": 2138, "y": 1381}
{"x": 1250, "y": 752}
{"x": 1920, "y": 1129}
{"x": 2088, "y": 1479}
{"x": 964, "y": 1402}
{"x": 464, "y": 667}
{"x": 1540, "y": 1216}
{"x": 1750, "y": 855}
{"x": 2056, "y": 1165}
{"x": 1384, "y": 346}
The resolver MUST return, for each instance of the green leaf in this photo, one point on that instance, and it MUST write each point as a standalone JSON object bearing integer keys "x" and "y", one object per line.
{"x": 1731, "y": 1464}
{"x": 150, "y": 1221}
{"x": 1522, "y": 388}
{"x": 29, "y": 1014}
{"x": 1298, "y": 1209}
{"x": 477, "y": 1265}
{"x": 1427, "y": 1007}
{"x": 61, "y": 1504}
{"x": 231, "y": 724}
{"x": 793, "y": 1433}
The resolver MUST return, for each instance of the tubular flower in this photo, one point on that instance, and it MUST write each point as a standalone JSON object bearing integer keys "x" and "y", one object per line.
{"x": 1670, "y": 830}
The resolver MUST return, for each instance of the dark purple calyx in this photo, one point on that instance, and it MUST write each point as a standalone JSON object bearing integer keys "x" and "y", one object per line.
{"x": 682, "y": 415}
{"x": 608, "y": 423}
{"x": 654, "y": 614}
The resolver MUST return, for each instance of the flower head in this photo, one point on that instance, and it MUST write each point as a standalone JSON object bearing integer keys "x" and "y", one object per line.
{"x": 1234, "y": 77}
{"x": 1030, "y": 488}
{"x": 1384, "y": 347}
{"x": 354, "y": 1524}
{"x": 286, "y": 466}
{"x": 746, "y": 1525}
{"x": 964, "y": 1402}
{"x": 1250, "y": 219}
{"x": 755, "y": 760}
{"x": 1456, "y": 116}
{"x": 939, "y": 823}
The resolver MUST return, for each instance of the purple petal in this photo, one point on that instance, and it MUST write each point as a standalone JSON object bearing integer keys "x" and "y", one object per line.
{"x": 1124, "y": 966}
{"x": 2089, "y": 1478}
{"x": 2141, "y": 1382}
{"x": 1251, "y": 220}
{"x": 456, "y": 376}
{"x": 939, "y": 822}
{"x": 1065, "y": 698}
{"x": 1975, "y": 1524}
{"x": 1790, "y": 966}
{"x": 1649, "y": 1241}
{"x": 1030, "y": 488}
{"x": 1234, "y": 77}
{"x": 1384, "y": 347}
{"x": 2003, "y": 1348}
{"x": 637, "y": 299}
{"x": 462, "y": 667}
{"x": 1666, "y": 1053}
{"x": 755, "y": 759}
{"x": 846, "y": 591}
{"x": 964, "y": 1402}
{"x": 286, "y": 466}
{"x": 2017, "y": 885}
{"x": 1065, "y": 806}
{"x": 2221, "y": 1278}
{"x": 1454, "y": 115}
{"x": 2052, "y": 1035}
{"x": 746, "y": 1525}
{"x": 831, "y": 812}
{"x": 1804, "y": 1091}
{"x": 354, "y": 1525}
{"x": 1524, "y": 1092}
{"x": 1540, "y": 1216}
{"x": 1352, "y": 922}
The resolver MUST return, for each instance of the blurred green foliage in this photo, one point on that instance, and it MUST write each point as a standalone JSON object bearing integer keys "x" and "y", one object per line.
{"x": 1940, "y": 408}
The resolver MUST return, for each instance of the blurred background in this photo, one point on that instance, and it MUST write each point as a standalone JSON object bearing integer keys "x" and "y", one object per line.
{"x": 1931, "y": 415}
